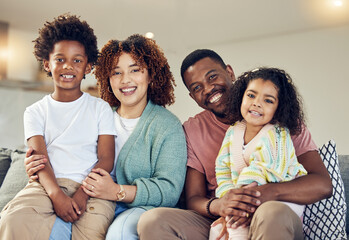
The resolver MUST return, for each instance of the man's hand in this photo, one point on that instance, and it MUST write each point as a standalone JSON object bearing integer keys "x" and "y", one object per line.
{"x": 239, "y": 205}
{"x": 237, "y": 202}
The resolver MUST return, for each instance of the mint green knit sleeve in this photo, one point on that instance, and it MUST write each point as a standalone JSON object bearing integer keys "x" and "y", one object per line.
{"x": 168, "y": 166}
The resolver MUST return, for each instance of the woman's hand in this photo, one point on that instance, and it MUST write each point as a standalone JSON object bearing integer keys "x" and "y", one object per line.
{"x": 33, "y": 164}
{"x": 99, "y": 184}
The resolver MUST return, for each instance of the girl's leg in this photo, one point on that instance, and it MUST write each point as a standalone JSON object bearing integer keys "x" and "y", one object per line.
{"x": 239, "y": 233}
{"x": 125, "y": 225}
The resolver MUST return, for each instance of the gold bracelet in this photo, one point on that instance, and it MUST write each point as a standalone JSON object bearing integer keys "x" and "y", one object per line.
{"x": 121, "y": 194}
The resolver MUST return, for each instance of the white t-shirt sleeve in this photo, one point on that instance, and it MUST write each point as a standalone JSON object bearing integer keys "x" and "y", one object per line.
{"x": 33, "y": 122}
{"x": 106, "y": 123}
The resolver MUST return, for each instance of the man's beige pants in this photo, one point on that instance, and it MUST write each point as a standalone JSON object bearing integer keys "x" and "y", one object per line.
{"x": 272, "y": 221}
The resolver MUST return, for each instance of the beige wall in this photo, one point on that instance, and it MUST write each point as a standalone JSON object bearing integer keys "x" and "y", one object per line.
{"x": 317, "y": 60}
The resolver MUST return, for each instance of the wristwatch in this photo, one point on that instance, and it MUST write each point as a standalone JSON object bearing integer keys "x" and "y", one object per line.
{"x": 121, "y": 194}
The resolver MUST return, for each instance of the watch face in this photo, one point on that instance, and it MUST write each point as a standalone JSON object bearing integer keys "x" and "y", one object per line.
{"x": 121, "y": 194}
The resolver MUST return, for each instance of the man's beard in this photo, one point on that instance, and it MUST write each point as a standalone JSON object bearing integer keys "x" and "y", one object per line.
{"x": 220, "y": 115}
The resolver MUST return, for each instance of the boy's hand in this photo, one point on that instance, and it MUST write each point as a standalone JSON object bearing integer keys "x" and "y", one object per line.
{"x": 65, "y": 207}
{"x": 80, "y": 197}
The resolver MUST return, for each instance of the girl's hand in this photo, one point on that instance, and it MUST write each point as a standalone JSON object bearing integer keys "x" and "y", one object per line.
{"x": 223, "y": 231}
{"x": 99, "y": 184}
{"x": 33, "y": 164}
{"x": 235, "y": 221}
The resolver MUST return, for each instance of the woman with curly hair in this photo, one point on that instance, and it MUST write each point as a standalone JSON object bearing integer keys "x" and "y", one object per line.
{"x": 150, "y": 165}
{"x": 265, "y": 109}
{"x": 134, "y": 77}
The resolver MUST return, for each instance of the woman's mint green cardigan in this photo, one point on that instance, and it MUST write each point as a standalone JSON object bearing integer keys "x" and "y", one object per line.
{"x": 154, "y": 159}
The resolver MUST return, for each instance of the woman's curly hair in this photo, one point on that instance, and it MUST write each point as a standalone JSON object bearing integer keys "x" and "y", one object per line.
{"x": 65, "y": 27}
{"x": 148, "y": 55}
{"x": 289, "y": 112}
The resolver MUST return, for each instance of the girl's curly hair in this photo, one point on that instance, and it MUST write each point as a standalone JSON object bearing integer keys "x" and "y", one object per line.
{"x": 148, "y": 55}
{"x": 289, "y": 112}
{"x": 65, "y": 27}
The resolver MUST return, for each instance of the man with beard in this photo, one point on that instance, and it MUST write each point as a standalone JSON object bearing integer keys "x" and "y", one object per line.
{"x": 209, "y": 81}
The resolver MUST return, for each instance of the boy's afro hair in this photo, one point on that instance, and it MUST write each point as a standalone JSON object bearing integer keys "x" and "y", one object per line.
{"x": 65, "y": 27}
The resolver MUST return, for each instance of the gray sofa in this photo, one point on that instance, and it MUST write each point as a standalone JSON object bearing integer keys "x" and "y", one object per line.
{"x": 13, "y": 178}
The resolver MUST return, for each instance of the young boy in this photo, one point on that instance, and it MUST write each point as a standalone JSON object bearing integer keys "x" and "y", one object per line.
{"x": 72, "y": 129}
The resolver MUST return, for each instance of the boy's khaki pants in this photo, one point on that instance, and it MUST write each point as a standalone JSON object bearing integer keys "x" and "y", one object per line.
{"x": 30, "y": 214}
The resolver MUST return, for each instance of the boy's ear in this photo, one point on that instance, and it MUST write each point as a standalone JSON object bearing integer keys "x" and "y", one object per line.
{"x": 46, "y": 64}
{"x": 88, "y": 68}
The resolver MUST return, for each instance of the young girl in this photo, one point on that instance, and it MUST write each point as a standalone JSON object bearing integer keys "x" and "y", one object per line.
{"x": 257, "y": 149}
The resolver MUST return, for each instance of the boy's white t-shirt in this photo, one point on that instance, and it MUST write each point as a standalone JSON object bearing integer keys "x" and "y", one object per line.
{"x": 124, "y": 128}
{"x": 71, "y": 131}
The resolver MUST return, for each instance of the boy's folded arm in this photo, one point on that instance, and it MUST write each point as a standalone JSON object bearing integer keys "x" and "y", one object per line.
{"x": 46, "y": 175}
{"x": 64, "y": 206}
{"x": 105, "y": 152}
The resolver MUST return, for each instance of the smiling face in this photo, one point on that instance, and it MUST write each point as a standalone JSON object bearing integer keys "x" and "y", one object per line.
{"x": 68, "y": 64}
{"x": 129, "y": 82}
{"x": 209, "y": 83}
{"x": 259, "y": 103}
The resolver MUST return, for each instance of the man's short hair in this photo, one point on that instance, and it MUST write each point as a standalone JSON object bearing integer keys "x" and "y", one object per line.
{"x": 197, "y": 55}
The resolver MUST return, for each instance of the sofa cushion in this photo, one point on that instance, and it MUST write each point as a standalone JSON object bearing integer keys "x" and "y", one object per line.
{"x": 326, "y": 219}
{"x": 15, "y": 179}
{"x": 5, "y": 161}
{"x": 344, "y": 167}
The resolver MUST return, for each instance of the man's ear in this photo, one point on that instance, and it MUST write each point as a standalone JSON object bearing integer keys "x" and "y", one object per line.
{"x": 231, "y": 72}
{"x": 88, "y": 68}
{"x": 46, "y": 64}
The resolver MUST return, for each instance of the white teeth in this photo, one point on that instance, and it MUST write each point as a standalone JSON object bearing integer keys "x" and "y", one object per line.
{"x": 68, "y": 76}
{"x": 126, "y": 90}
{"x": 255, "y": 113}
{"x": 215, "y": 98}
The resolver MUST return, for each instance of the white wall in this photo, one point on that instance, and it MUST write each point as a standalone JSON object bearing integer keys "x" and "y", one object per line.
{"x": 317, "y": 60}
